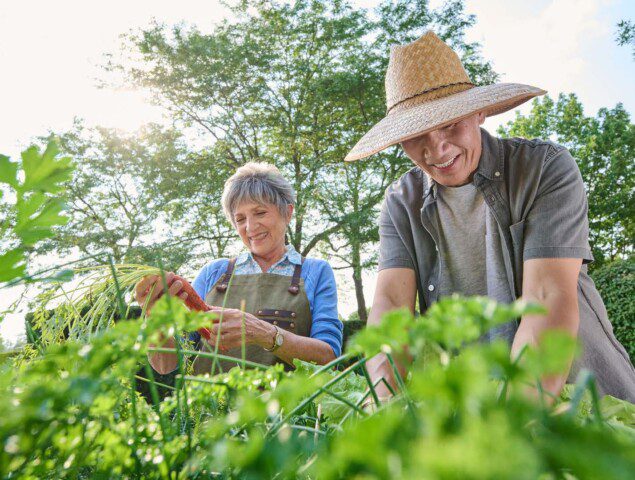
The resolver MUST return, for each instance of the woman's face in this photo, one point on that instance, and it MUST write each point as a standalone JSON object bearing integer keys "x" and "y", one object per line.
{"x": 450, "y": 155}
{"x": 261, "y": 227}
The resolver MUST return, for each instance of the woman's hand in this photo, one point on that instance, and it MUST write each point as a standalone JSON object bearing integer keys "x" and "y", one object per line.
{"x": 150, "y": 288}
{"x": 147, "y": 292}
{"x": 259, "y": 332}
{"x": 256, "y": 331}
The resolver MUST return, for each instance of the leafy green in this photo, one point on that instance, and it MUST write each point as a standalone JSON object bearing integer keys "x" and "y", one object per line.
{"x": 74, "y": 410}
{"x": 38, "y": 185}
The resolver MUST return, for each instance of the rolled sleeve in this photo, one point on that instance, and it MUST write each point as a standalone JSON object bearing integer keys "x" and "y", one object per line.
{"x": 326, "y": 326}
{"x": 392, "y": 250}
{"x": 557, "y": 224}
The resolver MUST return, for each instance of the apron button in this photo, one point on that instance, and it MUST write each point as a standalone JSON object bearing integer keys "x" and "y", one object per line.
{"x": 275, "y": 322}
{"x": 292, "y": 325}
{"x": 293, "y": 315}
{"x": 277, "y": 312}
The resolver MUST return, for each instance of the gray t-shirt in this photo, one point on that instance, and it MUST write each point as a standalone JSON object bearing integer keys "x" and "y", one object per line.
{"x": 467, "y": 253}
{"x": 461, "y": 220}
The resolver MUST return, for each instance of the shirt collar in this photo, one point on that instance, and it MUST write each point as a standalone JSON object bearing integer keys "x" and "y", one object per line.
{"x": 291, "y": 255}
{"x": 491, "y": 164}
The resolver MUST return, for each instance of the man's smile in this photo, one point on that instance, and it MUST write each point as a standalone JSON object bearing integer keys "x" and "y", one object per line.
{"x": 447, "y": 165}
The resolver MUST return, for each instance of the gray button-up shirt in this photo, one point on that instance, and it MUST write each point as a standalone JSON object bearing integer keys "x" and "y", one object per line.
{"x": 536, "y": 207}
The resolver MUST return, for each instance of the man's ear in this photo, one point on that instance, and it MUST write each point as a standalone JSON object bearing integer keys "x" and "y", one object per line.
{"x": 481, "y": 117}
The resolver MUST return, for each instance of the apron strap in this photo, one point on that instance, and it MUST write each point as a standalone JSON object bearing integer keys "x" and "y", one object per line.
{"x": 294, "y": 288}
{"x": 221, "y": 286}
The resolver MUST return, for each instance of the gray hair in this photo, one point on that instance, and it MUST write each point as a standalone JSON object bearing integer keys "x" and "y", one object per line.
{"x": 257, "y": 182}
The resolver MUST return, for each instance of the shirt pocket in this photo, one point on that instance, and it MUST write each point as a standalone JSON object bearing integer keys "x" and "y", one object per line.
{"x": 285, "y": 319}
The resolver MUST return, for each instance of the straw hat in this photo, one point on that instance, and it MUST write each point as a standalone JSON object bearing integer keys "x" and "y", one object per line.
{"x": 428, "y": 88}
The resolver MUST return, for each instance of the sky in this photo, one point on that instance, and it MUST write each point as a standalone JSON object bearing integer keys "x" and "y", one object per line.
{"x": 51, "y": 55}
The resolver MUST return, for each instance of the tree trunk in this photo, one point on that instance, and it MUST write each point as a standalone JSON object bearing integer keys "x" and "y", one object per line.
{"x": 357, "y": 280}
{"x": 359, "y": 293}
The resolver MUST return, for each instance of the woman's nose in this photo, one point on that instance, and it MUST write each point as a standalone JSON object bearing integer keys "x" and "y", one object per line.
{"x": 250, "y": 224}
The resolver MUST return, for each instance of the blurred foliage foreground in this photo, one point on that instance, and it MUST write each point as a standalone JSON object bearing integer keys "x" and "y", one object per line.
{"x": 70, "y": 406}
{"x": 72, "y": 410}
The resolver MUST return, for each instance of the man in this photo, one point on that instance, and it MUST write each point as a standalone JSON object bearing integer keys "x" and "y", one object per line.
{"x": 480, "y": 215}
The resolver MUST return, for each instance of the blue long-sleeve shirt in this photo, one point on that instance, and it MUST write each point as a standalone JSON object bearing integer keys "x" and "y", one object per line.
{"x": 319, "y": 284}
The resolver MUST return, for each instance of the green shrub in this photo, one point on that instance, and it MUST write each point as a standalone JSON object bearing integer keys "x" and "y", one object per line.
{"x": 616, "y": 283}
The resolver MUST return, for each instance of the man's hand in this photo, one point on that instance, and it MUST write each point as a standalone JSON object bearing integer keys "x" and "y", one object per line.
{"x": 396, "y": 288}
{"x": 552, "y": 282}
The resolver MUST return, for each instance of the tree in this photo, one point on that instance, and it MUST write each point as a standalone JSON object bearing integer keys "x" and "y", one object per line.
{"x": 604, "y": 147}
{"x": 295, "y": 84}
{"x": 626, "y": 34}
{"x": 358, "y": 188}
{"x": 133, "y": 196}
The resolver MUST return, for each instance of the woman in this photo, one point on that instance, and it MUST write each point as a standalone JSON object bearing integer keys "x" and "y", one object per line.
{"x": 290, "y": 302}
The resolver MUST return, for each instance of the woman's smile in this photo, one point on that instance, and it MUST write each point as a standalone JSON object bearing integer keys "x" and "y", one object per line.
{"x": 258, "y": 238}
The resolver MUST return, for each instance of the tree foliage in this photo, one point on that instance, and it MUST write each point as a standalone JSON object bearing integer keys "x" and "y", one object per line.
{"x": 626, "y": 34}
{"x": 136, "y": 197}
{"x": 604, "y": 147}
{"x": 297, "y": 84}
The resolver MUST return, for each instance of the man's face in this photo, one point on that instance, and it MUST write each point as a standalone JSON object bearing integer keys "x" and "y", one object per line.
{"x": 450, "y": 155}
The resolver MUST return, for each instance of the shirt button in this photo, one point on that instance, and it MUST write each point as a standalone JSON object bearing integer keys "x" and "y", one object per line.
{"x": 431, "y": 287}
{"x": 497, "y": 174}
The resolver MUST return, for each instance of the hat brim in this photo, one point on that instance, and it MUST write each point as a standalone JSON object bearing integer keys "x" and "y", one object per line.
{"x": 417, "y": 120}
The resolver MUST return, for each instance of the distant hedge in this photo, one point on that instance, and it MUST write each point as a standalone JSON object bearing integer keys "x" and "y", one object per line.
{"x": 616, "y": 283}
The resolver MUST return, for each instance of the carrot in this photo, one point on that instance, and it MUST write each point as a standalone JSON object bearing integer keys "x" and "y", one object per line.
{"x": 194, "y": 302}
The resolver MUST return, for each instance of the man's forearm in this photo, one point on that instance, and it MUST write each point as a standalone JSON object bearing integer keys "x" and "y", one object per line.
{"x": 563, "y": 316}
{"x": 396, "y": 288}
{"x": 379, "y": 367}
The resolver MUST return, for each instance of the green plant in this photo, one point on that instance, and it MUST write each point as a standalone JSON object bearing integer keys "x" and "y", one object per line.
{"x": 616, "y": 283}
{"x": 32, "y": 197}
{"x": 462, "y": 411}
